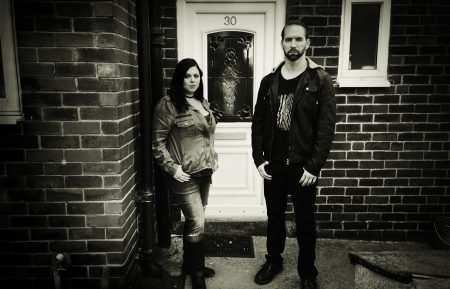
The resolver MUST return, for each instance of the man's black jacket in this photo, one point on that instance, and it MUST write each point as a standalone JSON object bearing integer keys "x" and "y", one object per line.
{"x": 313, "y": 119}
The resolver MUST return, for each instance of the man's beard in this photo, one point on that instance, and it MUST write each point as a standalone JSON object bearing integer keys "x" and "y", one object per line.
{"x": 293, "y": 54}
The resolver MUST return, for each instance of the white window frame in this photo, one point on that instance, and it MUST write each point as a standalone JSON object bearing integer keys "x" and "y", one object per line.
{"x": 10, "y": 107}
{"x": 361, "y": 77}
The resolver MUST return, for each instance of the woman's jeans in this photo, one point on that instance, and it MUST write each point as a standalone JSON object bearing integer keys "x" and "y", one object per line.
{"x": 192, "y": 196}
{"x": 285, "y": 180}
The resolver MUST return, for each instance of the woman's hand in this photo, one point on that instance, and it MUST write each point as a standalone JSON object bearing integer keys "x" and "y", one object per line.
{"x": 181, "y": 176}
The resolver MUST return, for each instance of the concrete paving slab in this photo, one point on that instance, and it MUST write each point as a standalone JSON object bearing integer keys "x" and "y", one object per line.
{"x": 402, "y": 270}
{"x": 368, "y": 279}
{"x": 424, "y": 262}
{"x": 332, "y": 261}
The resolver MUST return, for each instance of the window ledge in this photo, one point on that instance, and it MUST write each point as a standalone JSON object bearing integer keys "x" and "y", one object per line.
{"x": 10, "y": 119}
{"x": 362, "y": 82}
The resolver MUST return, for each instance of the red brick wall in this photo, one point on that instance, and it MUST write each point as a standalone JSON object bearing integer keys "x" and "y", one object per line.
{"x": 68, "y": 172}
{"x": 388, "y": 171}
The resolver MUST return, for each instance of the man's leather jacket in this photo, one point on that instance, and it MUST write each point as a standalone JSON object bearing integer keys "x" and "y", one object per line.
{"x": 312, "y": 124}
{"x": 183, "y": 138}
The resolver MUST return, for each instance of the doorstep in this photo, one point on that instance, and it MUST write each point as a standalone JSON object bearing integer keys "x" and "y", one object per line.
{"x": 247, "y": 226}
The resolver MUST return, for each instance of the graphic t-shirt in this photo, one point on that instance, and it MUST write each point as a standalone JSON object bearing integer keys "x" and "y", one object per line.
{"x": 285, "y": 99}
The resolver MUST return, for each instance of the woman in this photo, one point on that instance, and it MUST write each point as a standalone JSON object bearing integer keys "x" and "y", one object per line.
{"x": 183, "y": 145}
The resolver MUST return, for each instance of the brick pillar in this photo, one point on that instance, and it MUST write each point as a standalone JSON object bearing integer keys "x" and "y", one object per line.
{"x": 68, "y": 172}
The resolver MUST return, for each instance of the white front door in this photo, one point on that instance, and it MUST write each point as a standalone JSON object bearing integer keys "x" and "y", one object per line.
{"x": 235, "y": 44}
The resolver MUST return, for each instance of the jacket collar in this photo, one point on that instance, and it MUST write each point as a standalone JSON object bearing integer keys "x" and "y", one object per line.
{"x": 277, "y": 71}
{"x": 203, "y": 124}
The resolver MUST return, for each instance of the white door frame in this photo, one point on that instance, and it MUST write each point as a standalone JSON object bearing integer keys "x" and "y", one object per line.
{"x": 280, "y": 16}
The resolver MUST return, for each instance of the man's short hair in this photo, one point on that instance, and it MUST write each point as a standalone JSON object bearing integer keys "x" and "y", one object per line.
{"x": 296, "y": 22}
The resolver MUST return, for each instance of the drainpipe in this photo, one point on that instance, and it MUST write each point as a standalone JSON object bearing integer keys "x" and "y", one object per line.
{"x": 147, "y": 197}
{"x": 161, "y": 195}
{"x": 57, "y": 268}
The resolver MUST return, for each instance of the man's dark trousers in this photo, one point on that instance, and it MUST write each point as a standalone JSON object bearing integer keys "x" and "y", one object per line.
{"x": 285, "y": 181}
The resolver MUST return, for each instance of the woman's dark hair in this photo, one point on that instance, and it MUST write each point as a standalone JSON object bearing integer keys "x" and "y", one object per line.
{"x": 176, "y": 92}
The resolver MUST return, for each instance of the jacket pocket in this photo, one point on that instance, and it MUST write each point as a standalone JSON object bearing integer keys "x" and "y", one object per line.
{"x": 310, "y": 93}
{"x": 311, "y": 87}
{"x": 186, "y": 126}
{"x": 310, "y": 98}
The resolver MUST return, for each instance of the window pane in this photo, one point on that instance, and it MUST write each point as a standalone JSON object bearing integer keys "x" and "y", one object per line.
{"x": 364, "y": 36}
{"x": 230, "y": 74}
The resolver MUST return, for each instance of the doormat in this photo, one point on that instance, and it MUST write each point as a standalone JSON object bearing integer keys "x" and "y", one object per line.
{"x": 229, "y": 246}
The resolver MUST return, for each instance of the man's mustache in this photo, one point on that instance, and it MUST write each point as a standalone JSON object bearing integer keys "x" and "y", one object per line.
{"x": 293, "y": 50}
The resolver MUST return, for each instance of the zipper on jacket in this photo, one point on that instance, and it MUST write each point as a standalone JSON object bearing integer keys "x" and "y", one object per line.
{"x": 271, "y": 126}
{"x": 289, "y": 143}
{"x": 302, "y": 84}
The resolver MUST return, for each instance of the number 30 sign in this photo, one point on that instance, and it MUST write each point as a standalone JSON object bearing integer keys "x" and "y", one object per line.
{"x": 230, "y": 20}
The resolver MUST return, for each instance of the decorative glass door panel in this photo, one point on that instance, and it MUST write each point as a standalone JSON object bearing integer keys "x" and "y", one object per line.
{"x": 230, "y": 74}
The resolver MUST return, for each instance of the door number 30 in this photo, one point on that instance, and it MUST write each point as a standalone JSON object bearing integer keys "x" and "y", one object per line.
{"x": 230, "y": 20}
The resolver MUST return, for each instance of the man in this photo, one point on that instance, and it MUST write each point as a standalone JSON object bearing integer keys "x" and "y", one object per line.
{"x": 292, "y": 131}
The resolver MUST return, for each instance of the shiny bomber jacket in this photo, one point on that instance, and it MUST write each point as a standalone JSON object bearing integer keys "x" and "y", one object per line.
{"x": 313, "y": 119}
{"x": 183, "y": 138}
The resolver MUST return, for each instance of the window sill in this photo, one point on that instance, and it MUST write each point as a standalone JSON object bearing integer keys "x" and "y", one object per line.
{"x": 10, "y": 119}
{"x": 362, "y": 82}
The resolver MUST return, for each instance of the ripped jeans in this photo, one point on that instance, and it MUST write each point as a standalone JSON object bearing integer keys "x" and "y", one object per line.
{"x": 192, "y": 196}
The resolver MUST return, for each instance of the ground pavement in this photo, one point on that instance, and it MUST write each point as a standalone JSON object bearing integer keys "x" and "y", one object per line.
{"x": 332, "y": 261}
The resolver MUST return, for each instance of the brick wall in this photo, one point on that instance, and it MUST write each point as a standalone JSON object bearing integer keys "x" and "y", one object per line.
{"x": 169, "y": 28}
{"x": 388, "y": 171}
{"x": 68, "y": 172}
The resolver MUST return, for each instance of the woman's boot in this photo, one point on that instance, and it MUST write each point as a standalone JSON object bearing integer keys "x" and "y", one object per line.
{"x": 194, "y": 262}
{"x": 186, "y": 267}
{"x": 198, "y": 279}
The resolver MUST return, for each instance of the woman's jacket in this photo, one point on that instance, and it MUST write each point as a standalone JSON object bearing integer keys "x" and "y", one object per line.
{"x": 183, "y": 138}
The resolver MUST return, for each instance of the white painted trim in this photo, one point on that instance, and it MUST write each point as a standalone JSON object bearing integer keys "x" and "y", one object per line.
{"x": 181, "y": 16}
{"x": 360, "y": 77}
{"x": 280, "y": 17}
{"x": 10, "y": 119}
{"x": 212, "y": 211}
{"x": 363, "y": 82}
{"x": 10, "y": 107}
